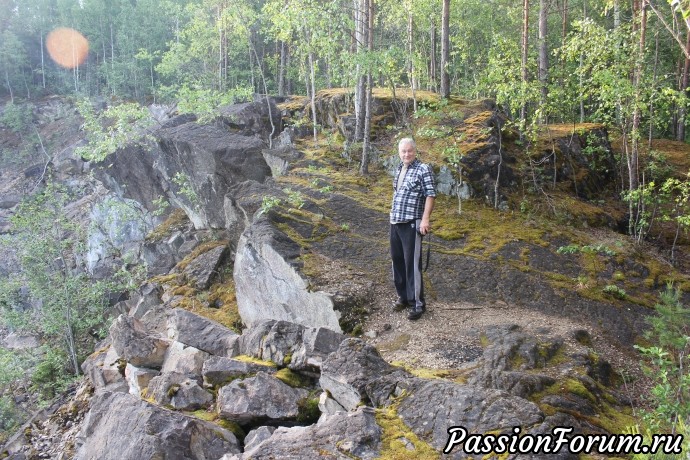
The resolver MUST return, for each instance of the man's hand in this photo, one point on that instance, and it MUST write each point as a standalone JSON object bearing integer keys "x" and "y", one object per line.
{"x": 424, "y": 226}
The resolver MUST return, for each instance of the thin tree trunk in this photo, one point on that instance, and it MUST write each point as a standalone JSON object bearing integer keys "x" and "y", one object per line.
{"x": 543, "y": 55}
{"x": 313, "y": 91}
{"x": 410, "y": 52}
{"x": 651, "y": 99}
{"x": 9, "y": 86}
{"x": 637, "y": 74}
{"x": 366, "y": 147}
{"x": 445, "y": 49}
{"x": 525, "y": 42}
{"x": 43, "y": 69}
{"x": 360, "y": 95}
{"x": 433, "y": 71}
{"x": 682, "y": 112}
{"x": 581, "y": 83}
{"x": 281, "y": 71}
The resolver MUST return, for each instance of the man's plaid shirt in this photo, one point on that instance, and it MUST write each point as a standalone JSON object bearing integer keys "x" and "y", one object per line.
{"x": 408, "y": 201}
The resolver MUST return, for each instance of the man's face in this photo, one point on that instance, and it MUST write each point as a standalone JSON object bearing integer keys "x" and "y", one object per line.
{"x": 407, "y": 153}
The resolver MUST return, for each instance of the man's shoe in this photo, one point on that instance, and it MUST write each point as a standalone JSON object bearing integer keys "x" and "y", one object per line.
{"x": 415, "y": 313}
{"x": 400, "y": 305}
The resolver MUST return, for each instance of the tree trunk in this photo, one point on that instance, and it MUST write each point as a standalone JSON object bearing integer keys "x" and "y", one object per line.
{"x": 525, "y": 42}
{"x": 43, "y": 69}
{"x": 366, "y": 147}
{"x": 445, "y": 49}
{"x": 433, "y": 71}
{"x": 543, "y": 55}
{"x": 281, "y": 70}
{"x": 634, "y": 154}
{"x": 313, "y": 91}
{"x": 360, "y": 96}
{"x": 410, "y": 52}
{"x": 9, "y": 86}
{"x": 682, "y": 112}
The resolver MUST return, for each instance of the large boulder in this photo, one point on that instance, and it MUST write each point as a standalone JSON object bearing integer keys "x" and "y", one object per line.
{"x": 202, "y": 333}
{"x": 120, "y": 426}
{"x": 192, "y": 165}
{"x": 269, "y": 284}
{"x": 219, "y": 371}
{"x": 339, "y": 436}
{"x": 258, "y": 399}
{"x": 133, "y": 342}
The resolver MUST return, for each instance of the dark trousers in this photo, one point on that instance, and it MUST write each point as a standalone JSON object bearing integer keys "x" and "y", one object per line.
{"x": 406, "y": 254}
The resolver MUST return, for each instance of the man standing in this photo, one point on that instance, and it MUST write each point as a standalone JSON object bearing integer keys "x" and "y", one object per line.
{"x": 413, "y": 201}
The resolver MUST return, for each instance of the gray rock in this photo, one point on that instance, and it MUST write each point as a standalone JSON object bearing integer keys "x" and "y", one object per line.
{"x": 120, "y": 426}
{"x": 15, "y": 341}
{"x": 218, "y": 371}
{"x": 279, "y": 159}
{"x": 317, "y": 344}
{"x": 509, "y": 348}
{"x": 202, "y": 333}
{"x": 163, "y": 387}
{"x": 138, "y": 378}
{"x": 102, "y": 368}
{"x": 281, "y": 342}
{"x": 184, "y": 359}
{"x": 208, "y": 158}
{"x": 132, "y": 341}
{"x": 201, "y": 271}
{"x": 149, "y": 297}
{"x": 347, "y": 372}
{"x": 251, "y": 342}
{"x": 190, "y": 396}
{"x": 257, "y": 436}
{"x": 435, "y": 405}
{"x": 329, "y": 406}
{"x": 258, "y": 399}
{"x": 340, "y": 436}
{"x": 252, "y": 118}
{"x": 269, "y": 284}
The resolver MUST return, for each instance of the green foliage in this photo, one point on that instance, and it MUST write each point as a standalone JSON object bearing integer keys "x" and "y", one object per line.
{"x": 186, "y": 187}
{"x": 47, "y": 246}
{"x": 666, "y": 362}
{"x": 586, "y": 249}
{"x": 295, "y": 198}
{"x": 614, "y": 291}
{"x": 50, "y": 377}
{"x": 17, "y": 117}
{"x": 204, "y": 103}
{"x": 161, "y": 205}
{"x": 113, "y": 129}
{"x": 268, "y": 203}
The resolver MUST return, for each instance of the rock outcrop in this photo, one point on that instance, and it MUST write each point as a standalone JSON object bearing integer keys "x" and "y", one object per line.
{"x": 269, "y": 284}
{"x": 120, "y": 426}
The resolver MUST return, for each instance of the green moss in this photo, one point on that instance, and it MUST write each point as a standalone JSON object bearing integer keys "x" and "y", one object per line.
{"x": 176, "y": 221}
{"x": 308, "y": 411}
{"x": 292, "y": 378}
{"x": 231, "y": 426}
{"x": 199, "y": 250}
{"x": 249, "y": 359}
{"x": 394, "y": 432}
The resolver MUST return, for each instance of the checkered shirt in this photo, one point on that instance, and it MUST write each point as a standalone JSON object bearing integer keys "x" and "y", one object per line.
{"x": 408, "y": 201}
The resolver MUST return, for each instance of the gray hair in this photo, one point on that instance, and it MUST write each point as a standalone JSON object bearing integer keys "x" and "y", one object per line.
{"x": 407, "y": 140}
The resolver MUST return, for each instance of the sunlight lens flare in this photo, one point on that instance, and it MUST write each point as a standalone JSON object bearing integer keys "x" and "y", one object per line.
{"x": 67, "y": 47}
